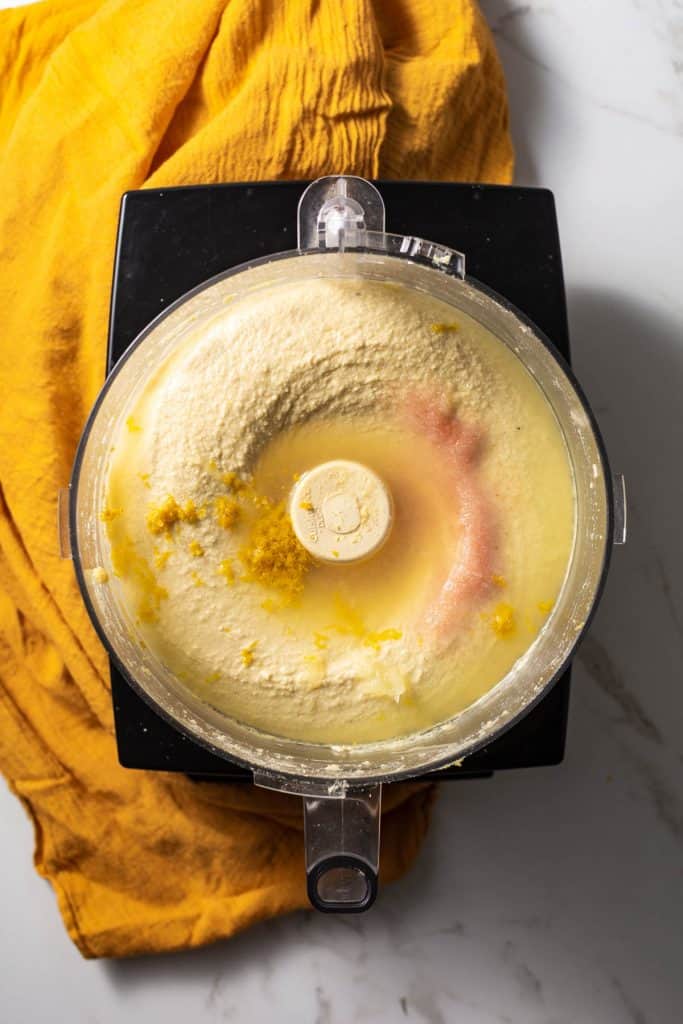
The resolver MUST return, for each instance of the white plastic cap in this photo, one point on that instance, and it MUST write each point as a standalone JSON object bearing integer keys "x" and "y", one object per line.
{"x": 341, "y": 511}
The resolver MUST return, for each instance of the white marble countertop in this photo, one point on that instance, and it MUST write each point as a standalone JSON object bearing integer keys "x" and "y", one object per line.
{"x": 541, "y": 897}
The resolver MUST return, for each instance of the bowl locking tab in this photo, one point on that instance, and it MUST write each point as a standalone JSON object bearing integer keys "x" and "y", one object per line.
{"x": 337, "y": 212}
{"x": 342, "y": 212}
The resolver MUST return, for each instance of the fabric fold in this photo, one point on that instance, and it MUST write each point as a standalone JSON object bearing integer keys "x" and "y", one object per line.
{"x": 99, "y": 98}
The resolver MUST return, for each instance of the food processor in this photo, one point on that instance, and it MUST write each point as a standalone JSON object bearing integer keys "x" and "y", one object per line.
{"x": 341, "y": 233}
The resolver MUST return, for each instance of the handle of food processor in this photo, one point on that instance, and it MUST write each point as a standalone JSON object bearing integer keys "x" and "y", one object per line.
{"x": 341, "y": 837}
{"x": 342, "y": 849}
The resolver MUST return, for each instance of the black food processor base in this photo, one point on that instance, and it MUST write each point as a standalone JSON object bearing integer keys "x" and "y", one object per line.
{"x": 171, "y": 240}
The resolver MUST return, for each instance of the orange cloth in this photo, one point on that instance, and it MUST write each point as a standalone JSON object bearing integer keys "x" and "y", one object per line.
{"x": 100, "y": 97}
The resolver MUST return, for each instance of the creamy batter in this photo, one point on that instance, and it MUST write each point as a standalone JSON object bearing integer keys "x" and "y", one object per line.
{"x": 222, "y": 592}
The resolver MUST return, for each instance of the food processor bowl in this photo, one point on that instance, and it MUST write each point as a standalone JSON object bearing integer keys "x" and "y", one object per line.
{"x": 341, "y": 234}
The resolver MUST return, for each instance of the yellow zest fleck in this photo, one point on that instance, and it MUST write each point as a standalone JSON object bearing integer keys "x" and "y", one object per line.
{"x": 499, "y": 581}
{"x": 195, "y": 549}
{"x": 197, "y": 580}
{"x": 272, "y": 554}
{"x": 107, "y": 515}
{"x": 307, "y": 506}
{"x": 248, "y": 654}
{"x": 212, "y": 467}
{"x": 133, "y": 425}
{"x": 234, "y": 482}
{"x": 375, "y": 640}
{"x": 440, "y": 328}
{"x": 270, "y": 605}
{"x": 348, "y": 622}
{"x": 161, "y": 558}
{"x": 320, "y": 640}
{"x": 503, "y": 622}
{"x": 128, "y": 564}
{"x": 213, "y": 677}
{"x": 296, "y": 477}
{"x": 145, "y": 479}
{"x": 227, "y": 512}
{"x": 226, "y": 629}
{"x": 225, "y": 569}
{"x": 545, "y": 606}
{"x": 162, "y": 518}
{"x": 335, "y": 554}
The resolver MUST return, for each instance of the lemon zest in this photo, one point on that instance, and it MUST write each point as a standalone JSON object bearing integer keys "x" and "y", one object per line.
{"x": 161, "y": 558}
{"x": 162, "y": 518}
{"x": 247, "y": 654}
{"x": 107, "y": 515}
{"x": 503, "y": 621}
{"x": 272, "y": 555}
{"x": 226, "y": 570}
{"x": 227, "y": 512}
{"x": 383, "y": 636}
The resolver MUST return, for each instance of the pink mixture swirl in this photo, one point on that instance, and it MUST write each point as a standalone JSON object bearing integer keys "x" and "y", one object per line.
{"x": 457, "y": 445}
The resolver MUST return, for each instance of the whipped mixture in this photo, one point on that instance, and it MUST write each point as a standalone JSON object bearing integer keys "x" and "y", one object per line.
{"x": 220, "y": 589}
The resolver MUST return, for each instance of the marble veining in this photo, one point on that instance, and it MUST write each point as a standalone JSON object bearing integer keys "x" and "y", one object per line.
{"x": 662, "y": 21}
{"x": 550, "y": 896}
{"x": 597, "y": 662}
